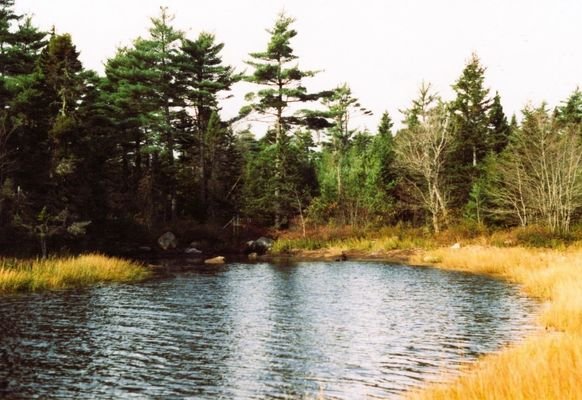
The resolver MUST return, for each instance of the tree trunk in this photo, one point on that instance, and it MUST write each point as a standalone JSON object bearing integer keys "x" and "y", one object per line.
{"x": 43, "y": 245}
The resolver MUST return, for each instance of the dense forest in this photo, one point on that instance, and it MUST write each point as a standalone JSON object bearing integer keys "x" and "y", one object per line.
{"x": 91, "y": 160}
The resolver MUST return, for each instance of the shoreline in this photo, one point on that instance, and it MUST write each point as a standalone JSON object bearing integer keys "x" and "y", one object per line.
{"x": 550, "y": 276}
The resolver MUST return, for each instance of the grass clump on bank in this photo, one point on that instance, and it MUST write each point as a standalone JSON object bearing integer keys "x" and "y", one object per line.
{"x": 547, "y": 365}
{"x": 337, "y": 239}
{"x": 62, "y": 273}
{"x": 330, "y": 239}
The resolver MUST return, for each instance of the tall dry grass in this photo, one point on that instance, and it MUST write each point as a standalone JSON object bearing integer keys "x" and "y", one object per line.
{"x": 61, "y": 273}
{"x": 547, "y": 365}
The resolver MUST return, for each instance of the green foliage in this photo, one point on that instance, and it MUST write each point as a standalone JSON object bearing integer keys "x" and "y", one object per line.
{"x": 499, "y": 129}
{"x": 280, "y": 87}
{"x": 539, "y": 236}
{"x": 472, "y": 143}
{"x": 283, "y": 246}
{"x": 569, "y": 114}
{"x": 144, "y": 148}
{"x": 475, "y": 207}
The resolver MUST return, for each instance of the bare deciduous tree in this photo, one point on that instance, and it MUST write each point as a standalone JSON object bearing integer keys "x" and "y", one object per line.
{"x": 539, "y": 176}
{"x": 421, "y": 152}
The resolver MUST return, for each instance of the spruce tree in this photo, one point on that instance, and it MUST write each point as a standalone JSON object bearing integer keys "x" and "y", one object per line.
{"x": 471, "y": 124}
{"x": 569, "y": 114}
{"x": 499, "y": 129}
{"x": 383, "y": 174}
{"x": 384, "y": 151}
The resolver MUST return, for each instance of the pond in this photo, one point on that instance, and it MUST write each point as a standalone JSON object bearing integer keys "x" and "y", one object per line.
{"x": 345, "y": 330}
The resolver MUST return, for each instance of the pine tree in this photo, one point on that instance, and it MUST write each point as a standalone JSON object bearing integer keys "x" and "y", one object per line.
{"x": 281, "y": 88}
{"x": 7, "y": 37}
{"x": 202, "y": 76}
{"x": 144, "y": 89}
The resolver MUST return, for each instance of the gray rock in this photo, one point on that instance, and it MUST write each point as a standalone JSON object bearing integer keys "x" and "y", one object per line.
{"x": 168, "y": 241}
{"x": 259, "y": 246}
{"x": 192, "y": 250}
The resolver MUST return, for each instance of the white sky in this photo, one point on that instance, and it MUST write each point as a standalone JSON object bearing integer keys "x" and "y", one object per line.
{"x": 383, "y": 49}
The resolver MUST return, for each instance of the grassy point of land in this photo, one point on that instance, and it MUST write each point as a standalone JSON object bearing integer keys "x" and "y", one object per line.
{"x": 62, "y": 273}
{"x": 547, "y": 365}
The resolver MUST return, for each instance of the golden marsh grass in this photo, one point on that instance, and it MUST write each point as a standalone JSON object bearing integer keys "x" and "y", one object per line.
{"x": 547, "y": 365}
{"x": 62, "y": 273}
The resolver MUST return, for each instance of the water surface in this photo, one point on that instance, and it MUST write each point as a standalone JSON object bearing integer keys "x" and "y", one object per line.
{"x": 252, "y": 331}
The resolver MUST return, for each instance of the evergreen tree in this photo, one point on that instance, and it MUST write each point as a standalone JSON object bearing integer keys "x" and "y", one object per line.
{"x": 341, "y": 106}
{"x": 203, "y": 76}
{"x": 383, "y": 174}
{"x": 223, "y": 168}
{"x": 384, "y": 151}
{"x": 479, "y": 200}
{"x": 569, "y": 115}
{"x": 7, "y": 37}
{"x": 60, "y": 74}
{"x": 281, "y": 87}
{"x": 164, "y": 45}
{"x": 471, "y": 120}
{"x": 28, "y": 41}
{"x": 144, "y": 88}
{"x": 499, "y": 129}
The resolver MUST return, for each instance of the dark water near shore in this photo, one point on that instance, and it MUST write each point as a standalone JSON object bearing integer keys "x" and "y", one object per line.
{"x": 342, "y": 330}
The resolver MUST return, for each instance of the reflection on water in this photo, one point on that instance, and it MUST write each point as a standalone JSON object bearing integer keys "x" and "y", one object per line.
{"x": 342, "y": 330}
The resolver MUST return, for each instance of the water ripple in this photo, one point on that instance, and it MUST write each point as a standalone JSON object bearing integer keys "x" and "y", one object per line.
{"x": 342, "y": 330}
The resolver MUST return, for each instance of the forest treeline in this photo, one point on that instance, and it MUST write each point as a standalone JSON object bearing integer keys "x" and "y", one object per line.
{"x": 144, "y": 147}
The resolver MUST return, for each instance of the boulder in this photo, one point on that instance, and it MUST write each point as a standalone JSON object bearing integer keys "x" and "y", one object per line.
{"x": 168, "y": 241}
{"x": 215, "y": 260}
{"x": 456, "y": 246}
{"x": 259, "y": 246}
{"x": 192, "y": 250}
{"x": 253, "y": 256}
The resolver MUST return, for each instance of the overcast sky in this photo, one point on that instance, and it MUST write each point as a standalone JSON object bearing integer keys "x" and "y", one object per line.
{"x": 382, "y": 49}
